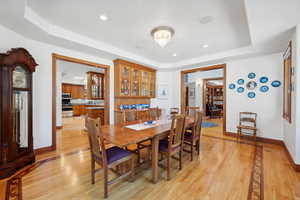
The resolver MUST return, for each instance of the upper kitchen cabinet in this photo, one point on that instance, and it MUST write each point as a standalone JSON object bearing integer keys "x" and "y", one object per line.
{"x": 95, "y": 85}
{"x": 134, "y": 80}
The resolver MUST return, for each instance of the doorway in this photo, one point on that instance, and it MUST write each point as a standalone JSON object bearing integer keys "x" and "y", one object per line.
{"x": 205, "y": 88}
{"x": 77, "y": 90}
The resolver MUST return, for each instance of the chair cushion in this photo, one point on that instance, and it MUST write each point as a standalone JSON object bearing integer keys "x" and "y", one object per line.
{"x": 115, "y": 154}
{"x": 163, "y": 145}
{"x": 188, "y": 136}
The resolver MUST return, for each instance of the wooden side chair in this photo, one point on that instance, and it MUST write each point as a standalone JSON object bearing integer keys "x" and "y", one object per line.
{"x": 191, "y": 111}
{"x": 174, "y": 111}
{"x": 106, "y": 158}
{"x": 132, "y": 116}
{"x": 153, "y": 113}
{"x": 129, "y": 116}
{"x": 172, "y": 145}
{"x": 247, "y": 122}
{"x": 192, "y": 138}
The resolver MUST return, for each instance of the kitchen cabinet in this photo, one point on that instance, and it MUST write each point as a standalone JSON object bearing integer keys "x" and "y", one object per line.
{"x": 134, "y": 80}
{"x": 76, "y": 91}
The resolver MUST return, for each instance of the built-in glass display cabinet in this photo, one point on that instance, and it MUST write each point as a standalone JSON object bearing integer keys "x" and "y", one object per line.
{"x": 16, "y": 141}
{"x": 134, "y": 80}
{"x": 95, "y": 85}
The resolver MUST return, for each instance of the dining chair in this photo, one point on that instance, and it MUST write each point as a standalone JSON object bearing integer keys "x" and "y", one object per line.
{"x": 247, "y": 122}
{"x": 193, "y": 138}
{"x": 153, "y": 113}
{"x": 106, "y": 158}
{"x": 129, "y": 116}
{"x": 191, "y": 111}
{"x": 174, "y": 111}
{"x": 173, "y": 144}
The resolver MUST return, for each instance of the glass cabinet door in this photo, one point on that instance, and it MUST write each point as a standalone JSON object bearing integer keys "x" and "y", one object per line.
{"x": 95, "y": 85}
{"x": 135, "y": 82}
{"x": 152, "y": 84}
{"x": 20, "y": 108}
{"x": 145, "y": 84}
{"x": 125, "y": 81}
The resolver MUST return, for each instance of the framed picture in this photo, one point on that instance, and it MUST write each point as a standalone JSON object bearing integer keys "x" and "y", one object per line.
{"x": 163, "y": 91}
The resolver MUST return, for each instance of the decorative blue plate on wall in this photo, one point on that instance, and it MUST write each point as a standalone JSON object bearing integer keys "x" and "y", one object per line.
{"x": 231, "y": 86}
{"x": 241, "y": 81}
{"x": 276, "y": 83}
{"x": 251, "y": 75}
{"x": 240, "y": 90}
{"x": 263, "y": 79}
{"x": 251, "y": 95}
{"x": 264, "y": 88}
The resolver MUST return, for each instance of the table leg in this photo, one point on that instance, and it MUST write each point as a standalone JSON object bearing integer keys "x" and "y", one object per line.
{"x": 155, "y": 141}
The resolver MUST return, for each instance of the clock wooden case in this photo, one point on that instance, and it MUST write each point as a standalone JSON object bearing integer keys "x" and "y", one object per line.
{"x": 16, "y": 141}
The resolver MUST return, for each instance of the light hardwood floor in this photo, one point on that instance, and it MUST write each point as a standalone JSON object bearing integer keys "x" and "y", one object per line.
{"x": 225, "y": 169}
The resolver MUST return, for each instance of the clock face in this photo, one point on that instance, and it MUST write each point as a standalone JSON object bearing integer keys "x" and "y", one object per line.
{"x": 19, "y": 77}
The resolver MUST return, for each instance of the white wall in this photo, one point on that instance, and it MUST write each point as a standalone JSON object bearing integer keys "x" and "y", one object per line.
{"x": 267, "y": 105}
{"x": 42, "y": 80}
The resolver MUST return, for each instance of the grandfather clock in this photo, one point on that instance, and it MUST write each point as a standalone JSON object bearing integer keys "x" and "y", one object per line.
{"x": 16, "y": 142}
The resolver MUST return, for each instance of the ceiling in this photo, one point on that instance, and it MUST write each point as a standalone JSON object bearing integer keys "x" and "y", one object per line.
{"x": 130, "y": 24}
{"x": 239, "y": 27}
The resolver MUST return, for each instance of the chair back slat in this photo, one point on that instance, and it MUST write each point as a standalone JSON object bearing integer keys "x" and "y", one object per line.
{"x": 96, "y": 140}
{"x": 177, "y": 130}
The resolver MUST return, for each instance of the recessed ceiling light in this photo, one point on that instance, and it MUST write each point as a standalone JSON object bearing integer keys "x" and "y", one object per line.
{"x": 205, "y": 46}
{"x": 174, "y": 54}
{"x": 103, "y": 17}
{"x": 206, "y": 19}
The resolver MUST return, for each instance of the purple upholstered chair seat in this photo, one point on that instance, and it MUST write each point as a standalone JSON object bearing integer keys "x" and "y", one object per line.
{"x": 188, "y": 136}
{"x": 116, "y": 153}
{"x": 163, "y": 145}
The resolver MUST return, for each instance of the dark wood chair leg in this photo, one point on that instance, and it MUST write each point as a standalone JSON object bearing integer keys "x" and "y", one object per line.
{"x": 192, "y": 151}
{"x": 180, "y": 160}
{"x": 105, "y": 171}
{"x": 168, "y": 167}
{"x": 93, "y": 170}
{"x": 198, "y": 146}
{"x": 132, "y": 162}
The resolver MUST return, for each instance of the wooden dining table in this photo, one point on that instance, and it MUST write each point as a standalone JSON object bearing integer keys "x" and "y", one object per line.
{"x": 122, "y": 136}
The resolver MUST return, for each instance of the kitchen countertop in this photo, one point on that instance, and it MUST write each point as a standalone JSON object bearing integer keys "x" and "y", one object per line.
{"x": 95, "y": 108}
{"x": 86, "y": 104}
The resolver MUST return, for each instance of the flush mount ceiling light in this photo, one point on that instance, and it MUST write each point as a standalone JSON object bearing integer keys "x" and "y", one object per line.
{"x": 205, "y": 46}
{"x": 103, "y": 17}
{"x": 162, "y": 35}
{"x": 174, "y": 54}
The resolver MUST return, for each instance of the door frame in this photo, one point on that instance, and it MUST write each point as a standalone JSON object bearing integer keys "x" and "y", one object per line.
{"x": 208, "y": 68}
{"x": 106, "y": 68}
